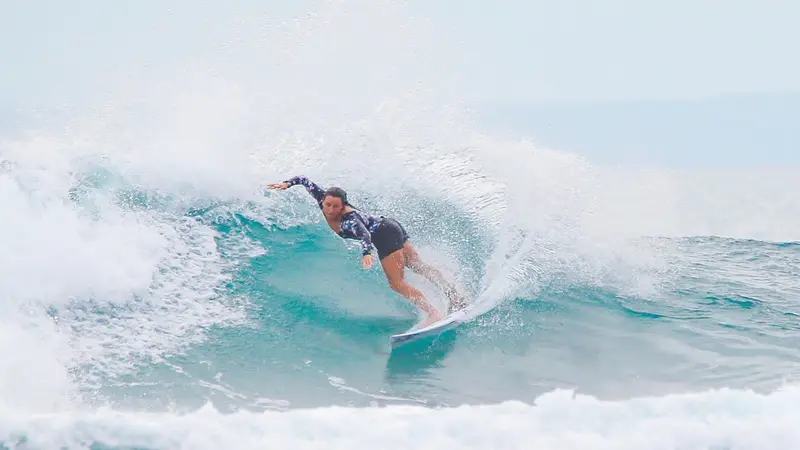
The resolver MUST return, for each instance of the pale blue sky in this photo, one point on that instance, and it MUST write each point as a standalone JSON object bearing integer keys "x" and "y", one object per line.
{"x": 534, "y": 51}
{"x": 620, "y": 50}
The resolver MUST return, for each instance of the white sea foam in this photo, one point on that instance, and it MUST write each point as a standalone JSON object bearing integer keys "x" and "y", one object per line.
{"x": 722, "y": 419}
{"x": 92, "y": 288}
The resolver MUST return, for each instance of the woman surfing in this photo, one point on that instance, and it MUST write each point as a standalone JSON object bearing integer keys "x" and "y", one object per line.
{"x": 385, "y": 234}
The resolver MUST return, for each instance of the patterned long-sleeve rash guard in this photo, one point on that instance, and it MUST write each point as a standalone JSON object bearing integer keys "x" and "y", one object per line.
{"x": 355, "y": 224}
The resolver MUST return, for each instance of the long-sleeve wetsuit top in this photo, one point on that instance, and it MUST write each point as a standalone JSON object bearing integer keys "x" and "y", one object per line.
{"x": 355, "y": 224}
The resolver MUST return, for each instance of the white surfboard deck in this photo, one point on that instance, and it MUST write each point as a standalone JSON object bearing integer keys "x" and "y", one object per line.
{"x": 452, "y": 320}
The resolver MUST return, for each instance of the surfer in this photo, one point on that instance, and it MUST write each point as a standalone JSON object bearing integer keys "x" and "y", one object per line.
{"x": 390, "y": 239}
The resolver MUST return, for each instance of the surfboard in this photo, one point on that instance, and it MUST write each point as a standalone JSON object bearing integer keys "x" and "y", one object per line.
{"x": 450, "y": 321}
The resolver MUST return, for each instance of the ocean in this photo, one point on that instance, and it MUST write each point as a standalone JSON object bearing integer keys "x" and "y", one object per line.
{"x": 156, "y": 295}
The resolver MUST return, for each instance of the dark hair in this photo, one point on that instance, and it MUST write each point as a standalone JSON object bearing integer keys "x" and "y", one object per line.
{"x": 338, "y": 193}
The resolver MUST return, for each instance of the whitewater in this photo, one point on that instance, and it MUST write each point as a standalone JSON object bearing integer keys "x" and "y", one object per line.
{"x": 156, "y": 295}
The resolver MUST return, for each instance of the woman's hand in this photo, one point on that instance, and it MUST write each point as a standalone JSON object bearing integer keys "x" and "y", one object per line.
{"x": 278, "y": 186}
{"x": 366, "y": 261}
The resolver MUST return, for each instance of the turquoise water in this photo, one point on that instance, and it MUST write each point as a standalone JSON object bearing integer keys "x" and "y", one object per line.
{"x": 318, "y": 327}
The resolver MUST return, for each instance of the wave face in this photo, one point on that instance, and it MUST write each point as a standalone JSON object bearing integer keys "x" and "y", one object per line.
{"x": 156, "y": 295}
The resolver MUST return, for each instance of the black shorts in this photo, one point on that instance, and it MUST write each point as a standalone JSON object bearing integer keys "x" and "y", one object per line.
{"x": 389, "y": 237}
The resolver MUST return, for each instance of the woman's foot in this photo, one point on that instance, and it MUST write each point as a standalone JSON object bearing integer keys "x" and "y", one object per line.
{"x": 457, "y": 301}
{"x": 432, "y": 318}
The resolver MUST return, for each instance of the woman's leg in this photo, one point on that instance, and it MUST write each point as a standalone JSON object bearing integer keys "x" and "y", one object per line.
{"x": 393, "y": 266}
{"x": 415, "y": 263}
